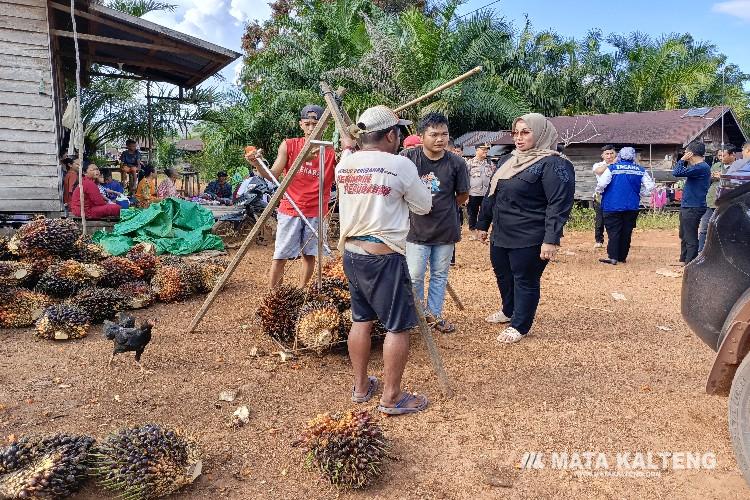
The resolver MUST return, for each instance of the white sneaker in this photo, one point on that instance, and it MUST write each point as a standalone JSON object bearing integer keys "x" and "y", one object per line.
{"x": 497, "y": 317}
{"x": 509, "y": 336}
{"x": 598, "y": 245}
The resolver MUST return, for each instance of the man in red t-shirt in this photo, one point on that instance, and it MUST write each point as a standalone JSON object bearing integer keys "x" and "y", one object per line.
{"x": 293, "y": 237}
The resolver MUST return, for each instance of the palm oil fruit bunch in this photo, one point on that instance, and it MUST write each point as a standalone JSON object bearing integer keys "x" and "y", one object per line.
{"x": 348, "y": 449}
{"x": 64, "y": 279}
{"x": 85, "y": 250}
{"x": 334, "y": 290}
{"x": 38, "y": 262}
{"x": 13, "y": 273}
{"x": 147, "y": 261}
{"x": 145, "y": 462}
{"x": 63, "y": 322}
{"x": 5, "y": 253}
{"x": 334, "y": 268}
{"x": 100, "y": 303}
{"x": 119, "y": 270}
{"x": 138, "y": 294}
{"x": 54, "y": 236}
{"x": 44, "y": 467}
{"x": 278, "y": 312}
{"x": 172, "y": 283}
{"x": 20, "y": 307}
{"x": 210, "y": 273}
{"x": 318, "y": 325}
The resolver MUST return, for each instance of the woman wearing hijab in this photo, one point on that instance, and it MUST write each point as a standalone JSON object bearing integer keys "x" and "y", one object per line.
{"x": 620, "y": 188}
{"x": 527, "y": 204}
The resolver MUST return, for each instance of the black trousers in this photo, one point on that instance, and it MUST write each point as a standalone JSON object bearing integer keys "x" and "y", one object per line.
{"x": 519, "y": 273}
{"x": 620, "y": 227}
{"x": 475, "y": 202}
{"x": 598, "y": 223}
{"x": 690, "y": 221}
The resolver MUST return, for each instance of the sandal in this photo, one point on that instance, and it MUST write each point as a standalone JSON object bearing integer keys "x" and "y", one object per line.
{"x": 401, "y": 408}
{"x": 444, "y": 326}
{"x": 510, "y": 336}
{"x": 371, "y": 390}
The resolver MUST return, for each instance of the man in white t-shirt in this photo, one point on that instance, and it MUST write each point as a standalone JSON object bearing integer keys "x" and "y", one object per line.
{"x": 376, "y": 190}
{"x": 609, "y": 155}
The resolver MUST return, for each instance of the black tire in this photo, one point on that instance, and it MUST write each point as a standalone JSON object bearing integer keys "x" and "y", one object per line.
{"x": 739, "y": 405}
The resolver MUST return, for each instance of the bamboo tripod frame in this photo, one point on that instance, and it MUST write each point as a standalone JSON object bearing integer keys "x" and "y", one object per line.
{"x": 342, "y": 121}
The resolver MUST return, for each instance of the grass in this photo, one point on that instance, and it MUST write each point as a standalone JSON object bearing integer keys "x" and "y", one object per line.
{"x": 582, "y": 219}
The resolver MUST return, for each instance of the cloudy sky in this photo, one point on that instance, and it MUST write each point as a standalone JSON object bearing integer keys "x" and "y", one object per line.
{"x": 724, "y": 23}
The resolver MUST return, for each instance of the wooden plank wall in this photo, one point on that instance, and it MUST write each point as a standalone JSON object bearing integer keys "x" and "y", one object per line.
{"x": 29, "y": 173}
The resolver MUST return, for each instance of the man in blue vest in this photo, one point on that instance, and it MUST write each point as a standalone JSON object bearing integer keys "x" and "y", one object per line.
{"x": 621, "y": 187}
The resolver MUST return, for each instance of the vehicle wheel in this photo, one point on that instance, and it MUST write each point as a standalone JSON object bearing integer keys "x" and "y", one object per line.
{"x": 739, "y": 405}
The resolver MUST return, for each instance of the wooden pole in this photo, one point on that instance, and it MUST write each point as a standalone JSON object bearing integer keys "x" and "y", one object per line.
{"x": 317, "y": 133}
{"x": 342, "y": 122}
{"x": 442, "y": 87}
{"x": 454, "y": 296}
{"x": 437, "y": 361}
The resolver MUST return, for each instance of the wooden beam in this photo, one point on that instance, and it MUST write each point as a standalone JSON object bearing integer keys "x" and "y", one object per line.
{"x": 127, "y": 43}
{"x": 114, "y": 61}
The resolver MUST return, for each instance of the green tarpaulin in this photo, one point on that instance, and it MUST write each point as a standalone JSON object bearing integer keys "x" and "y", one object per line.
{"x": 173, "y": 226}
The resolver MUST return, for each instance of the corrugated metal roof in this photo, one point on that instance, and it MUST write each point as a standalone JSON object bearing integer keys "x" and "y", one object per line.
{"x": 137, "y": 46}
{"x": 674, "y": 126}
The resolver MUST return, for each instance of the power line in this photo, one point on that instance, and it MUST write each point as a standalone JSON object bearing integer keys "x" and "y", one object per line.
{"x": 477, "y": 10}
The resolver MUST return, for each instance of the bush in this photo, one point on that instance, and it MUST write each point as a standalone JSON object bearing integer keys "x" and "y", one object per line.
{"x": 582, "y": 219}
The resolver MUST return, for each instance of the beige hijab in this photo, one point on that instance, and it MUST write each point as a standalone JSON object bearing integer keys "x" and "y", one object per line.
{"x": 546, "y": 138}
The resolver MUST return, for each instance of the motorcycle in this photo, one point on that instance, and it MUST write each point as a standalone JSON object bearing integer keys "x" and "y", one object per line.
{"x": 233, "y": 227}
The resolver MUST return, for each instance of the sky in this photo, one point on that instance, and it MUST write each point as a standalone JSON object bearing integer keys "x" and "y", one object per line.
{"x": 726, "y": 24}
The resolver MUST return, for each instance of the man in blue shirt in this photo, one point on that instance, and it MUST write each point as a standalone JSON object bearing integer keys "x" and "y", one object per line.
{"x": 697, "y": 175}
{"x": 621, "y": 186}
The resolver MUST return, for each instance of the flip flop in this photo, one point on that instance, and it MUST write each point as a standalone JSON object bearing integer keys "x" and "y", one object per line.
{"x": 370, "y": 391}
{"x": 401, "y": 409}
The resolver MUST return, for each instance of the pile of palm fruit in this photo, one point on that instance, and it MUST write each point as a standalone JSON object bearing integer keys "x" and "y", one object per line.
{"x": 143, "y": 462}
{"x": 54, "y": 277}
{"x": 348, "y": 449}
{"x": 318, "y": 317}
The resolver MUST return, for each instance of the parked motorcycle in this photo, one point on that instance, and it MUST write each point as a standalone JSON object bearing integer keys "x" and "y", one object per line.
{"x": 233, "y": 227}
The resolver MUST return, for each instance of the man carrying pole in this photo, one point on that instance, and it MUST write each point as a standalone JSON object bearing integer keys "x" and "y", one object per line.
{"x": 377, "y": 189}
{"x": 293, "y": 236}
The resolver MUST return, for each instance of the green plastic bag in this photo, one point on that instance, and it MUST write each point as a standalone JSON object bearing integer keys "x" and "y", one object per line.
{"x": 173, "y": 226}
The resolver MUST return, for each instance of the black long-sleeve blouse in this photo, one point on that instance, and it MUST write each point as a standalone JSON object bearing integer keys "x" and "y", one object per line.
{"x": 531, "y": 207}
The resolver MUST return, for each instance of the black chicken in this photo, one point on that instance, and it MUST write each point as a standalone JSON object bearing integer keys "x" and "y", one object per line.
{"x": 127, "y": 337}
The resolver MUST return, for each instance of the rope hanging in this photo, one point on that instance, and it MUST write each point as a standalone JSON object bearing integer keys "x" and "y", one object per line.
{"x": 77, "y": 134}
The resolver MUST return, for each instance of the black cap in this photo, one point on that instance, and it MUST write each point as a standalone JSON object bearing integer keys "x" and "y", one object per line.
{"x": 222, "y": 174}
{"x": 311, "y": 108}
{"x": 697, "y": 148}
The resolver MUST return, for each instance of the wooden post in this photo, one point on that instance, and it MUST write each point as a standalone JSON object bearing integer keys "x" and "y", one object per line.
{"x": 317, "y": 133}
{"x": 454, "y": 296}
{"x": 442, "y": 87}
{"x": 437, "y": 361}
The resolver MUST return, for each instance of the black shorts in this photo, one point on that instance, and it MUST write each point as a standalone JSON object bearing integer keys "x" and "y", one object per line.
{"x": 381, "y": 289}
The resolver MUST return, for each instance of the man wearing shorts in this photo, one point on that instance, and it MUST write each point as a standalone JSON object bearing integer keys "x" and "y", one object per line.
{"x": 293, "y": 237}
{"x": 377, "y": 189}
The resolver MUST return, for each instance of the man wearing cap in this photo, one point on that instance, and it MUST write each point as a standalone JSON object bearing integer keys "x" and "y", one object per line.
{"x": 293, "y": 236}
{"x": 619, "y": 189}
{"x": 220, "y": 190}
{"x": 432, "y": 236}
{"x": 377, "y": 191}
{"x": 480, "y": 170}
{"x": 697, "y": 175}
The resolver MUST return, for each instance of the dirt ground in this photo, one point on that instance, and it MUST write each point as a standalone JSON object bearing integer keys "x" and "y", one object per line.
{"x": 596, "y": 375}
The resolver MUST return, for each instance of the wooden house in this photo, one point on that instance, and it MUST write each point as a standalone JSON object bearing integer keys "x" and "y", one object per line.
{"x": 37, "y": 49}
{"x": 657, "y": 137}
